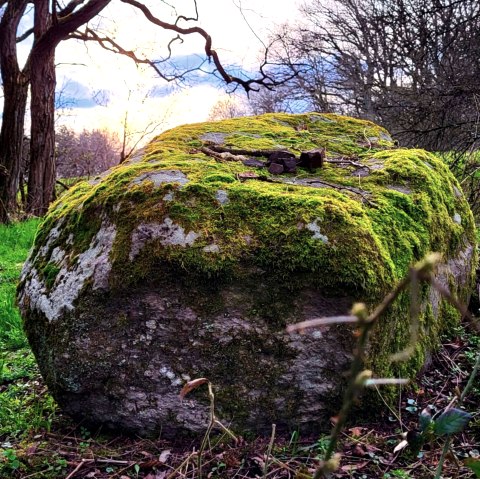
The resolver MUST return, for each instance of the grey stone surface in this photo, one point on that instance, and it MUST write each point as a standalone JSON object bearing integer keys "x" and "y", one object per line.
{"x": 168, "y": 233}
{"x": 92, "y": 265}
{"x": 163, "y": 176}
{"x": 217, "y": 138}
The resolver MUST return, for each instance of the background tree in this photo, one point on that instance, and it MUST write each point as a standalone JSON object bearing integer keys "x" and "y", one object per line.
{"x": 228, "y": 107}
{"x": 15, "y": 89}
{"x": 85, "y": 154}
{"x": 410, "y": 65}
{"x": 55, "y": 22}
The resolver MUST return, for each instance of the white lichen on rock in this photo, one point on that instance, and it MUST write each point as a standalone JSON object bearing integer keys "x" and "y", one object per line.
{"x": 212, "y": 248}
{"x": 315, "y": 229}
{"x": 222, "y": 197}
{"x": 93, "y": 264}
{"x": 169, "y": 234}
{"x": 158, "y": 178}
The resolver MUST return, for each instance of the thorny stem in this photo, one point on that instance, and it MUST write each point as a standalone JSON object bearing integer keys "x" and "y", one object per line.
{"x": 350, "y": 394}
{"x": 357, "y": 365}
{"x": 358, "y": 378}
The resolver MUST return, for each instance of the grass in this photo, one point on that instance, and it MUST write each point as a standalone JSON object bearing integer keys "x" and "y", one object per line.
{"x": 21, "y": 411}
{"x": 15, "y": 242}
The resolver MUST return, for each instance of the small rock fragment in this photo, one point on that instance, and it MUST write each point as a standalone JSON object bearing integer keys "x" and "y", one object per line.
{"x": 276, "y": 169}
{"x": 253, "y": 162}
{"x": 290, "y": 165}
{"x": 247, "y": 175}
{"x": 312, "y": 159}
{"x": 279, "y": 157}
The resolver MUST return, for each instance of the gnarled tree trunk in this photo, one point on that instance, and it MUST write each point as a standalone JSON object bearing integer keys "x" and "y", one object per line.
{"x": 15, "y": 89}
{"x": 41, "y": 179}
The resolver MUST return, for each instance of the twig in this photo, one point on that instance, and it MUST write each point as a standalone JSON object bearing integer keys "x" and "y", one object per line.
{"x": 346, "y": 161}
{"x": 269, "y": 451}
{"x": 79, "y": 466}
{"x": 211, "y": 423}
{"x": 356, "y": 191}
{"x": 471, "y": 379}
{"x": 177, "y": 470}
{"x": 317, "y": 322}
{"x": 218, "y": 156}
{"x": 242, "y": 152}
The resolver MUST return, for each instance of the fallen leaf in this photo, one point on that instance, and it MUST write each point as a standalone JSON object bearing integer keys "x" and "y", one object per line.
{"x": 401, "y": 445}
{"x": 191, "y": 385}
{"x": 32, "y": 449}
{"x": 354, "y": 467}
{"x": 165, "y": 455}
{"x": 356, "y": 431}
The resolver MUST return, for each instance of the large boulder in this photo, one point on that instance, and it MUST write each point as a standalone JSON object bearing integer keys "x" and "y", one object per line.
{"x": 190, "y": 259}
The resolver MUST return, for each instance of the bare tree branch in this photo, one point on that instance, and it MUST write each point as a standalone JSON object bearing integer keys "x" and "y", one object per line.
{"x": 248, "y": 85}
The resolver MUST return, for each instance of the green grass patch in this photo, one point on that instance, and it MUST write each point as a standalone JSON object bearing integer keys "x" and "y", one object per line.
{"x": 24, "y": 404}
{"x": 15, "y": 242}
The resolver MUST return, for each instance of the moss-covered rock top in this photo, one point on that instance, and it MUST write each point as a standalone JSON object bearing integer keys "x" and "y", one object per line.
{"x": 357, "y": 223}
{"x": 189, "y": 259}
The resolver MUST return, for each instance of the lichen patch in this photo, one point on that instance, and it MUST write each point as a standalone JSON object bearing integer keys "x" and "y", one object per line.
{"x": 314, "y": 227}
{"x": 158, "y": 178}
{"x": 168, "y": 232}
{"x": 92, "y": 264}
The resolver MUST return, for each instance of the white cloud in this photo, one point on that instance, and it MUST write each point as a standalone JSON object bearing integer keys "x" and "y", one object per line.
{"x": 117, "y": 79}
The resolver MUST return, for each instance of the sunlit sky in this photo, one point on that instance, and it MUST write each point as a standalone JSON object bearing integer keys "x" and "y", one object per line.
{"x": 100, "y": 87}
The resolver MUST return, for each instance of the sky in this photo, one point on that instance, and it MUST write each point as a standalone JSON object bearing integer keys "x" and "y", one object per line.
{"x": 97, "y": 89}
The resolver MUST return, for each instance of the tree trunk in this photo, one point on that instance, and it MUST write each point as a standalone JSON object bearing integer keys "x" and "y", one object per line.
{"x": 41, "y": 178}
{"x": 15, "y": 89}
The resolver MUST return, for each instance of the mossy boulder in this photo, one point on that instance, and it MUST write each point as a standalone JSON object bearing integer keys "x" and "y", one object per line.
{"x": 190, "y": 259}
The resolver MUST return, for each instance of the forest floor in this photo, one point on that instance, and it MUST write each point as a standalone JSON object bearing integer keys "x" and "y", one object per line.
{"x": 37, "y": 441}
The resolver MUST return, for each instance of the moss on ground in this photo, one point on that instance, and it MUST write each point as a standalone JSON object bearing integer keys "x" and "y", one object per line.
{"x": 358, "y": 237}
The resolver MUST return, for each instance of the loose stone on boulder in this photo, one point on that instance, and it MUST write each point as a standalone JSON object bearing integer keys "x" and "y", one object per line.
{"x": 178, "y": 265}
{"x": 312, "y": 159}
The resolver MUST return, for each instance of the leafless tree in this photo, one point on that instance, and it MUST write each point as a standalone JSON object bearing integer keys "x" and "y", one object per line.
{"x": 228, "y": 107}
{"x": 55, "y": 22}
{"x": 85, "y": 154}
{"x": 410, "y": 65}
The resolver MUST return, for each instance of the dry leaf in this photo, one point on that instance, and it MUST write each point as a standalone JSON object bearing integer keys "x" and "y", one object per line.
{"x": 164, "y": 456}
{"x": 32, "y": 449}
{"x": 191, "y": 385}
{"x": 356, "y": 431}
{"x": 354, "y": 467}
{"x": 401, "y": 445}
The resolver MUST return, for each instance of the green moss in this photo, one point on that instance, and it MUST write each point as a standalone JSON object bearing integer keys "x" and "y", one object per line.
{"x": 49, "y": 273}
{"x": 359, "y": 237}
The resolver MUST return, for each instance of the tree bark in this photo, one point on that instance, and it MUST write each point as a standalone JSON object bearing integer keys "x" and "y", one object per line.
{"x": 41, "y": 178}
{"x": 15, "y": 89}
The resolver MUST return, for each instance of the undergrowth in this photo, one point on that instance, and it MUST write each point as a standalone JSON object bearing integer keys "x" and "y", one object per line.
{"x": 24, "y": 406}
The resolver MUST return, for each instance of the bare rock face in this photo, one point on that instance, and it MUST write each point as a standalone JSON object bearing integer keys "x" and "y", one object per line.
{"x": 177, "y": 265}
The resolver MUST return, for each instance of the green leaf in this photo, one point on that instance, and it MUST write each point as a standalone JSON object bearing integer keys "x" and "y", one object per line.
{"x": 474, "y": 465}
{"x": 424, "y": 420}
{"x": 451, "y": 421}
